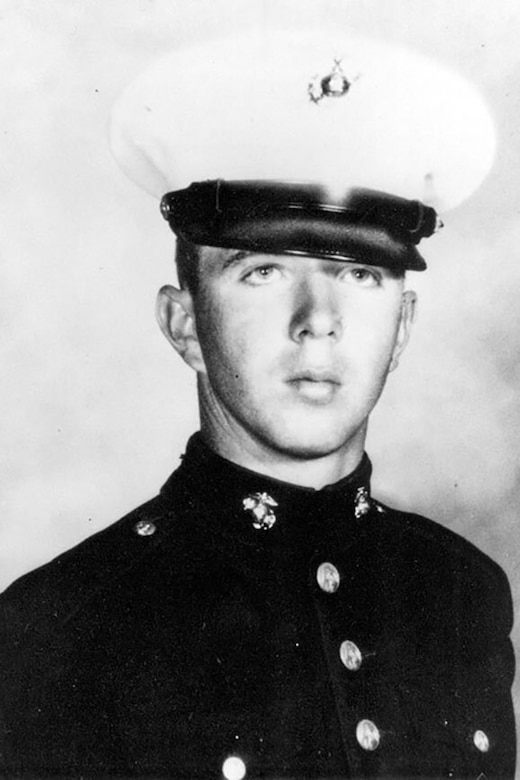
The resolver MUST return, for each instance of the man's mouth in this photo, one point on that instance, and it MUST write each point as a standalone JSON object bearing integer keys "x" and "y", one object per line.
{"x": 316, "y": 386}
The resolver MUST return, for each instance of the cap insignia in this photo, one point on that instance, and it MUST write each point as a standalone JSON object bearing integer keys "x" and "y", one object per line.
{"x": 335, "y": 84}
{"x": 259, "y": 504}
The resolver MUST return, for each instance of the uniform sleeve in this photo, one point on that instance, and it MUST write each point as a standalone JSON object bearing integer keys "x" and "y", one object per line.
{"x": 473, "y": 724}
{"x": 11, "y": 687}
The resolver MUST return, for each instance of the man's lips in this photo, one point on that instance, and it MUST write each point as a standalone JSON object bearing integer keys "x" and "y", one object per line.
{"x": 315, "y": 386}
{"x": 316, "y": 375}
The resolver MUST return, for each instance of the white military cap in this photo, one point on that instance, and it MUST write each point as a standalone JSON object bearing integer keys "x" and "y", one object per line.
{"x": 304, "y": 143}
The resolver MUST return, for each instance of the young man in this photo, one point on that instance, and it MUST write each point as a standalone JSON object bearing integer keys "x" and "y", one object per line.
{"x": 264, "y": 615}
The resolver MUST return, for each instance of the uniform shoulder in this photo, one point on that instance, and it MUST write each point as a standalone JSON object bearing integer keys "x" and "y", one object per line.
{"x": 436, "y": 550}
{"x": 50, "y": 594}
{"x": 423, "y": 529}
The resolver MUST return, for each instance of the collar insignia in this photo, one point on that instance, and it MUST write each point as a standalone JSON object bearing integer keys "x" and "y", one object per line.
{"x": 362, "y": 503}
{"x": 260, "y": 505}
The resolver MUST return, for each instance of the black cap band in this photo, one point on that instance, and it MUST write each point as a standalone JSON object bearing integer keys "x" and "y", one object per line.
{"x": 302, "y": 219}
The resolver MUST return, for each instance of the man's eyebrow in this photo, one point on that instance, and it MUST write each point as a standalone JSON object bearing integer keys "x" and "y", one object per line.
{"x": 234, "y": 258}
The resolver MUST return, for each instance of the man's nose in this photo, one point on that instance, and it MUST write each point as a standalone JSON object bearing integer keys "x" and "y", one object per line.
{"x": 316, "y": 312}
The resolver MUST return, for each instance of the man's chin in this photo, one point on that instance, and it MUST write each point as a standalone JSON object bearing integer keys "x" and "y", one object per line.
{"x": 304, "y": 445}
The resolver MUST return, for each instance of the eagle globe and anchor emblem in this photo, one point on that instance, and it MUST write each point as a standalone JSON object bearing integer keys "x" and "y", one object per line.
{"x": 334, "y": 84}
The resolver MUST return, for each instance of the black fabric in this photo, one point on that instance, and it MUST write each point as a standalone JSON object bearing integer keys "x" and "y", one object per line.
{"x": 160, "y": 655}
{"x": 271, "y": 217}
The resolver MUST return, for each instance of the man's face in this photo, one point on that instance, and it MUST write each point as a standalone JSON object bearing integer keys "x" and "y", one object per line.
{"x": 295, "y": 350}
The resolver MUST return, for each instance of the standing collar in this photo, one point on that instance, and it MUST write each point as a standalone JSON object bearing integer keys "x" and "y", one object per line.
{"x": 239, "y": 495}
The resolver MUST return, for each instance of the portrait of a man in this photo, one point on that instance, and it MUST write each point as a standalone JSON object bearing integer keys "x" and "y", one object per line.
{"x": 285, "y": 604}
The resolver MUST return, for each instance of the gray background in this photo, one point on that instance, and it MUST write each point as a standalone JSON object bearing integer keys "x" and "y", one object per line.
{"x": 96, "y": 408}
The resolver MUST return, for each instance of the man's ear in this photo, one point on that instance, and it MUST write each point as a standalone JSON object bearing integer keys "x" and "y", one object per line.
{"x": 175, "y": 315}
{"x": 408, "y": 315}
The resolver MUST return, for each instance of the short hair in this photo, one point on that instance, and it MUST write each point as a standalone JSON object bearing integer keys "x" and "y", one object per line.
{"x": 187, "y": 260}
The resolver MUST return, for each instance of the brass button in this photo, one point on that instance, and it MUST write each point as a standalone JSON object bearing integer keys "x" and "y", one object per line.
{"x": 481, "y": 741}
{"x": 234, "y": 768}
{"x": 367, "y": 734}
{"x": 328, "y": 577}
{"x": 145, "y": 528}
{"x": 350, "y": 655}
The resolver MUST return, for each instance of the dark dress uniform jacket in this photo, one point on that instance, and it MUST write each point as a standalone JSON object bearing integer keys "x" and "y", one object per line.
{"x": 192, "y": 630}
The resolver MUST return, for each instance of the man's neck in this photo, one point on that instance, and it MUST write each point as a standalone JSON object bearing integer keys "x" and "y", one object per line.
{"x": 315, "y": 472}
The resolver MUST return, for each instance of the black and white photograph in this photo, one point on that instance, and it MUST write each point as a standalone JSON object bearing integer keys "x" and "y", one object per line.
{"x": 260, "y": 382}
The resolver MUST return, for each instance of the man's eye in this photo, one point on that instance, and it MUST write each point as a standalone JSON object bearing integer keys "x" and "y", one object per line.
{"x": 364, "y": 277}
{"x": 262, "y": 275}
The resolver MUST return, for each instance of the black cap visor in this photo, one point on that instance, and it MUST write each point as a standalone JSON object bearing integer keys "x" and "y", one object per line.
{"x": 301, "y": 219}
